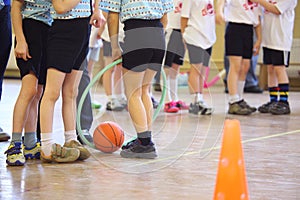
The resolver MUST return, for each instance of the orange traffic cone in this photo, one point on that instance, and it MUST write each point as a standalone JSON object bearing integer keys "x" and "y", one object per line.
{"x": 231, "y": 183}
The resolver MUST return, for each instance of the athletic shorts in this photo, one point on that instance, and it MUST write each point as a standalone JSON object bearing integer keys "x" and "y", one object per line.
{"x": 36, "y": 33}
{"x": 198, "y": 55}
{"x": 68, "y": 44}
{"x": 94, "y": 53}
{"x": 175, "y": 49}
{"x": 239, "y": 40}
{"x": 276, "y": 57}
{"x": 144, "y": 45}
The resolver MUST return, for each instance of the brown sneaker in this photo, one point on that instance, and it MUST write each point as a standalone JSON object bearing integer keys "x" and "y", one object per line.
{"x": 244, "y": 104}
{"x": 84, "y": 153}
{"x": 61, "y": 154}
{"x": 237, "y": 109}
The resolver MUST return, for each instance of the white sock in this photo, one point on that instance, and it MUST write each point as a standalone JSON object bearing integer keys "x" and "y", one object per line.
{"x": 70, "y": 135}
{"x": 241, "y": 85}
{"x": 168, "y": 87}
{"x": 109, "y": 97}
{"x": 197, "y": 97}
{"x": 233, "y": 98}
{"x": 173, "y": 88}
{"x": 47, "y": 142}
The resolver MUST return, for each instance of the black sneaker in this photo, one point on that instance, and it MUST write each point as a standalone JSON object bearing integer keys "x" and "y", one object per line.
{"x": 135, "y": 149}
{"x": 86, "y": 135}
{"x": 237, "y": 109}
{"x": 280, "y": 108}
{"x": 265, "y": 108}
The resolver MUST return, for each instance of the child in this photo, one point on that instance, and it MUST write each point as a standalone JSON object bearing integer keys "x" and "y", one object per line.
{"x": 241, "y": 16}
{"x": 31, "y": 29}
{"x": 112, "y": 78}
{"x": 144, "y": 47}
{"x": 174, "y": 59}
{"x": 198, "y": 29}
{"x": 277, "y": 31}
{"x": 67, "y": 49}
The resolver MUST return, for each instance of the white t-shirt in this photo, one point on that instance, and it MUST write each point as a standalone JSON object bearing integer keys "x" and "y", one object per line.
{"x": 277, "y": 30}
{"x": 242, "y": 11}
{"x": 201, "y": 24}
{"x": 105, "y": 34}
{"x": 174, "y": 16}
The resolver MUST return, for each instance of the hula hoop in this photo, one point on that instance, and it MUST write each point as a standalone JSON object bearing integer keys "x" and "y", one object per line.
{"x": 87, "y": 89}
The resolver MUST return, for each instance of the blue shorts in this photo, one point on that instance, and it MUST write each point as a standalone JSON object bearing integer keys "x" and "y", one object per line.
{"x": 144, "y": 45}
{"x": 36, "y": 34}
{"x": 68, "y": 44}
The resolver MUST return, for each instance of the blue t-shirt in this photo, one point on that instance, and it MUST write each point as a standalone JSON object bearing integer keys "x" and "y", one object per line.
{"x": 138, "y": 9}
{"x": 37, "y": 10}
{"x": 82, "y": 10}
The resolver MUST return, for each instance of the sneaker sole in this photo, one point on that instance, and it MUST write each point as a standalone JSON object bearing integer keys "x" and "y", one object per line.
{"x": 32, "y": 157}
{"x": 17, "y": 163}
{"x": 150, "y": 155}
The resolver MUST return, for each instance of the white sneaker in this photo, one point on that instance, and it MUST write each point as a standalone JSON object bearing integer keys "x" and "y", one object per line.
{"x": 115, "y": 105}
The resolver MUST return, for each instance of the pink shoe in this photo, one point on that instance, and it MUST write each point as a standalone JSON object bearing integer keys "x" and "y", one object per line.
{"x": 181, "y": 105}
{"x": 171, "y": 107}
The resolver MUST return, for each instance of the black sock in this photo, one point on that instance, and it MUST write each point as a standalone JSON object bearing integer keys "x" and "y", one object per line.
{"x": 144, "y": 137}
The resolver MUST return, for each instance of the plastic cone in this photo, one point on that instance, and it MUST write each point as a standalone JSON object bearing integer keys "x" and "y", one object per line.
{"x": 231, "y": 183}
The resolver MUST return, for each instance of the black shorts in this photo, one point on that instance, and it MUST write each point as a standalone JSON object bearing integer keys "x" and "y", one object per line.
{"x": 144, "y": 45}
{"x": 36, "y": 33}
{"x": 276, "y": 57}
{"x": 175, "y": 49}
{"x": 239, "y": 40}
{"x": 198, "y": 55}
{"x": 68, "y": 44}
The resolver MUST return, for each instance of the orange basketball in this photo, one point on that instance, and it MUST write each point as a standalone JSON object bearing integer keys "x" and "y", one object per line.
{"x": 108, "y": 137}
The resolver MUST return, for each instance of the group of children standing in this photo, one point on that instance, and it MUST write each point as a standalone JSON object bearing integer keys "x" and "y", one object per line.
{"x": 59, "y": 31}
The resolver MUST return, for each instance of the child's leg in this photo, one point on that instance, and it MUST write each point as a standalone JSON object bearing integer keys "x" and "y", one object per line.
{"x": 233, "y": 77}
{"x": 173, "y": 74}
{"x": 69, "y": 95}
{"x": 53, "y": 87}
{"x": 133, "y": 89}
{"x": 23, "y": 104}
{"x": 107, "y": 77}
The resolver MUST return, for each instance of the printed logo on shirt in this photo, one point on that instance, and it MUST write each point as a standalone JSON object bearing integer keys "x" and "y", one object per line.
{"x": 208, "y": 10}
{"x": 178, "y": 7}
{"x": 249, "y": 5}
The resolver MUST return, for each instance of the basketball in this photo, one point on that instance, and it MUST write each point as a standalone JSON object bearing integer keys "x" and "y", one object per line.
{"x": 108, "y": 137}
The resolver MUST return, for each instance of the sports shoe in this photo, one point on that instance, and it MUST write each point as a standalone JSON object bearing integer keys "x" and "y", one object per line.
{"x": 181, "y": 105}
{"x": 280, "y": 108}
{"x": 157, "y": 87}
{"x": 171, "y": 107}
{"x": 84, "y": 153}
{"x": 136, "y": 150}
{"x": 200, "y": 108}
{"x": 32, "y": 153}
{"x": 265, "y": 108}
{"x": 61, "y": 154}
{"x": 114, "y": 105}
{"x": 244, "y": 104}
{"x": 15, "y": 155}
{"x": 237, "y": 109}
{"x": 86, "y": 135}
{"x": 154, "y": 103}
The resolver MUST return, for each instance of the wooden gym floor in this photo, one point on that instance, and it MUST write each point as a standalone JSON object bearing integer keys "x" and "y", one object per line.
{"x": 188, "y": 148}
